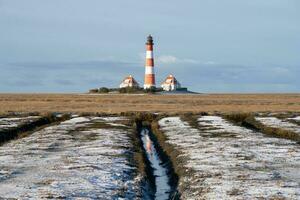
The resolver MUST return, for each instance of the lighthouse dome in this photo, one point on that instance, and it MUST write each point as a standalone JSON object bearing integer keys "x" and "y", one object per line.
{"x": 149, "y": 39}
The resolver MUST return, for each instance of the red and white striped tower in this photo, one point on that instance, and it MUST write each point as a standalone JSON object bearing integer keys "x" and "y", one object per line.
{"x": 149, "y": 71}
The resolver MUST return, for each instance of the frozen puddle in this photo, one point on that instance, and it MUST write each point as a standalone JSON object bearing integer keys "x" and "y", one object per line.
{"x": 224, "y": 161}
{"x": 163, "y": 188}
{"x": 75, "y": 159}
{"x": 13, "y": 122}
{"x": 278, "y": 123}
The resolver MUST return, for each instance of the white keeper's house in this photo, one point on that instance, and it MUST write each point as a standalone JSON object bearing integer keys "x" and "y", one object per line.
{"x": 170, "y": 84}
{"x": 129, "y": 82}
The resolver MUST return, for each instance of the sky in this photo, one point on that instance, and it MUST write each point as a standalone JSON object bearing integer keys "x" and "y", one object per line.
{"x": 208, "y": 45}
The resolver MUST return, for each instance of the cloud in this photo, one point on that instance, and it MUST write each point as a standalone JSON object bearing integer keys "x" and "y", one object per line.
{"x": 169, "y": 59}
{"x": 210, "y": 63}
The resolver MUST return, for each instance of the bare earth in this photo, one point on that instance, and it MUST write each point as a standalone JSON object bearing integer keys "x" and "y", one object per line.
{"x": 116, "y": 103}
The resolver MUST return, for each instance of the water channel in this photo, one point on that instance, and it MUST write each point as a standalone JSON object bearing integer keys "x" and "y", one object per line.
{"x": 163, "y": 188}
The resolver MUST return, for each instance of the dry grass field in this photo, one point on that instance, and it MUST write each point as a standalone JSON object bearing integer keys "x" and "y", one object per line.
{"x": 116, "y": 103}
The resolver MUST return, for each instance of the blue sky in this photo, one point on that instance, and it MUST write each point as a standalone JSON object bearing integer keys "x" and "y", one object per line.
{"x": 210, "y": 46}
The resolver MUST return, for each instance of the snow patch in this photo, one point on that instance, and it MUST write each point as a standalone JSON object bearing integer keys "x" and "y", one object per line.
{"x": 219, "y": 124}
{"x": 231, "y": 162}
{"x": 13, "y": 122}
{"x": 278, "y": 123}
{"x": 76, "y": 120}
{"x": 295, "y": 118}
{"x": 70, "y": 161}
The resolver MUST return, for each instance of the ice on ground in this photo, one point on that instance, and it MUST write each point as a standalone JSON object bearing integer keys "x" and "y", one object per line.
{"x": 70, "y": 160}
{"x": 116, "y": 124}
{"x": 13, "y": 122}
{"x": 110, "y": 119}
{"x": 113, "y": 121}
{"x": 218, "y": 124}
{"x": 278, "y": 123}
{"x": 224, "y": 161}
{"x": 76, "y": 120}
{"x": 295, "y": 118}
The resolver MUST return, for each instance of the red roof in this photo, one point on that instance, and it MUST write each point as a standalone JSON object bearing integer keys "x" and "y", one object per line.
{"x": 130, "y": 79}
{"x": 170, "y": 80}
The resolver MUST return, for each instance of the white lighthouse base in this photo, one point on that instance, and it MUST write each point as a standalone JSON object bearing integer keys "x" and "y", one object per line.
{"x": 149, "y": 86}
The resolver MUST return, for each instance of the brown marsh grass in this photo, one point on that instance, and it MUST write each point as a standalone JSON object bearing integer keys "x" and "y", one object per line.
{"x": 171, "y": 104}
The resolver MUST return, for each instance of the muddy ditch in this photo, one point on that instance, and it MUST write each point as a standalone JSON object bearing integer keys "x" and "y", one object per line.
{"x": 160, "y": 177}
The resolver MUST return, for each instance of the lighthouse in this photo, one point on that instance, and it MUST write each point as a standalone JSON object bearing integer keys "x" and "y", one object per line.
{"x": 149, "y": 67}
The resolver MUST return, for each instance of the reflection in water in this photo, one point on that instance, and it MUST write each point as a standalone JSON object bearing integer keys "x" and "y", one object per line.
{"x": 160, "y": 172}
